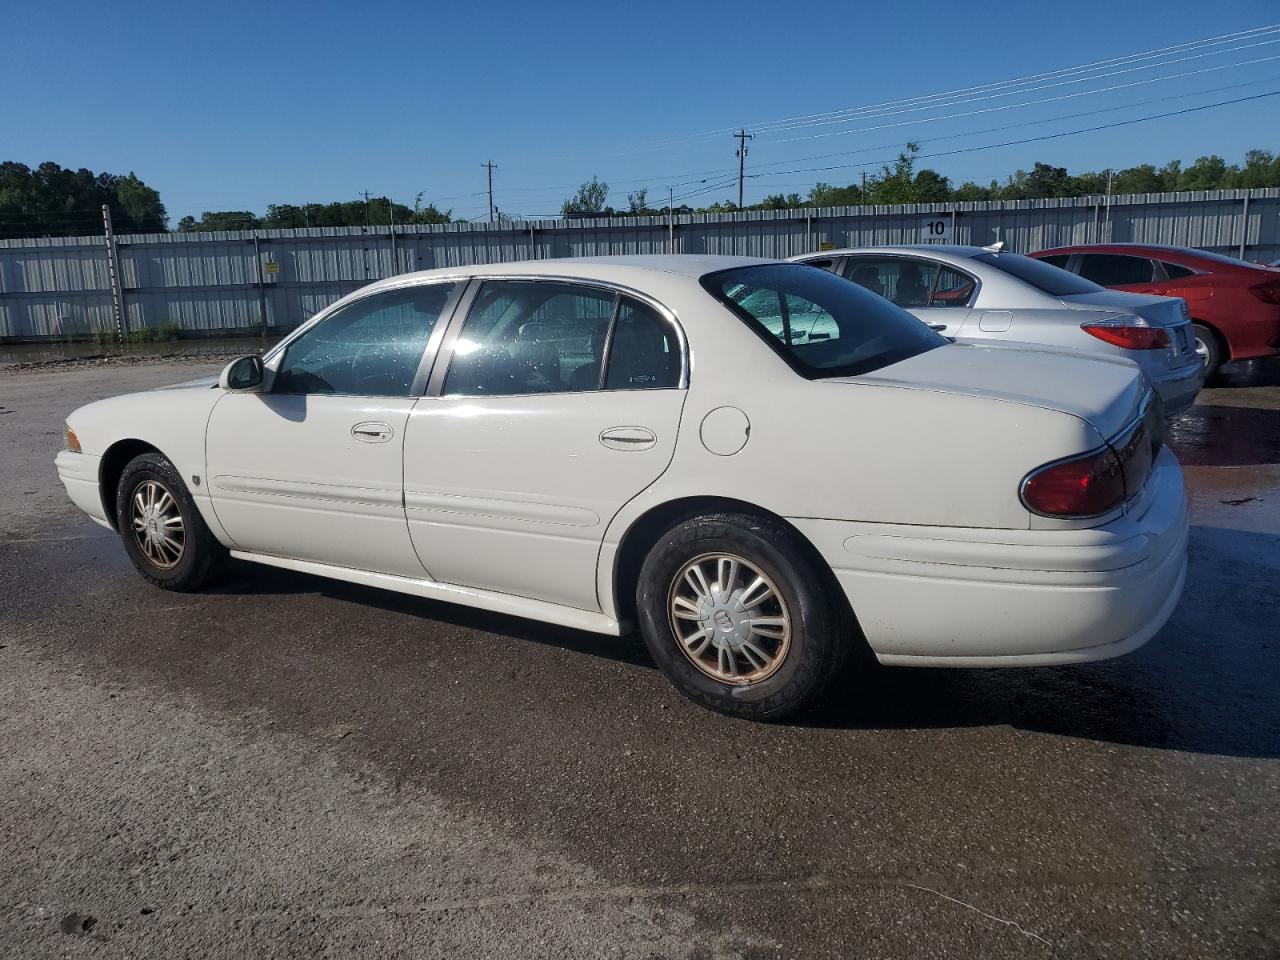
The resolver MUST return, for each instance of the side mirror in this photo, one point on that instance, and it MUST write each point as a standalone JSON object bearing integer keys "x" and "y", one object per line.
{"x": 244, "y": 374}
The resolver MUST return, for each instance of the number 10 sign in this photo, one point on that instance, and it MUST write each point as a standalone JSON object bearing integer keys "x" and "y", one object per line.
{"x": 935, "y": 229}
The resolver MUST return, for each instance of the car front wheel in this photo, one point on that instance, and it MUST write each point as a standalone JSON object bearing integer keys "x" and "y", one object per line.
{"x": 740, "y": 615}
{"x": 163, "y": 532}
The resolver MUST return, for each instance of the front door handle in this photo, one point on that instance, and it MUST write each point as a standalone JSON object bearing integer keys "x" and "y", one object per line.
{"x": 628, "y": 438}
{"x": 371, "y": 431}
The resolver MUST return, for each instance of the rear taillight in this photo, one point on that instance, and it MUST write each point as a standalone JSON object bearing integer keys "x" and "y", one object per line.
{"x": 1132, "y": 333}
{"x": 1081, "y": 487}
{"x": 1098, "y": 482}
{"x": 1268, "y": 291}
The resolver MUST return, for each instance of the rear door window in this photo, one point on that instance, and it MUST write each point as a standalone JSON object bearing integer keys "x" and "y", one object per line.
{"x": 531, "y": 337}
{"x": 1116, "y": 270}
{"x": 537, "y": 336}
{"x": 907, "y": 282}
{"x": 1059, "y": 260}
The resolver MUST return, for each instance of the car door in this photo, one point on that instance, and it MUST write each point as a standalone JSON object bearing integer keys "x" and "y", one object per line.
{"x": 937, "y": 293}
{"x": 313, "y": 469}
{"x": 560, "y": 402}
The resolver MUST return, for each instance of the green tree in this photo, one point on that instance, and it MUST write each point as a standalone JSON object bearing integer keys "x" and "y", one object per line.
{"x": 51, "y": 200}
{"x": 1046, "y": 181}
{"x": 141, "y": 204}
{"x": 1206, "y": 173}
{"x": 825, "y": 195}
{"x": 590, "y": 199}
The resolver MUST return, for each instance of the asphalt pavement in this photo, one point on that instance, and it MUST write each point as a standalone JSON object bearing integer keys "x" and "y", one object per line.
{"x": 285, "y": 766}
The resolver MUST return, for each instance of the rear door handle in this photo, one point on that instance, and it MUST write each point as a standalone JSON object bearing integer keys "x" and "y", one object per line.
{"x": 937, "y": 326}
{"x": 371, "y": 431}
{"x": 628, "y": 438}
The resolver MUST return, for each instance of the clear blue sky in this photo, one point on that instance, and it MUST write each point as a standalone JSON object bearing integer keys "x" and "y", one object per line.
{"x": 235, "y": 105}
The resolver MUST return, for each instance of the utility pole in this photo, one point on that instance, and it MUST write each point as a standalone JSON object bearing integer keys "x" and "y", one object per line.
{"x": 864, "y": 186}
{"x": 742, "y": 137}
{"x": 113, "y": 275}
{"x": 491, "y": 166}
{"x": 1109, "y": 174}
{"x": 366, "y": 209}
{"x": 671, "y": 223}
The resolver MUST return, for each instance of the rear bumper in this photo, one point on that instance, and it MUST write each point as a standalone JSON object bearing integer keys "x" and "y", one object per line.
{"x": 1178, "y": 388}
{"x": 79, "y": 474}
{"x": 964, "y": 597}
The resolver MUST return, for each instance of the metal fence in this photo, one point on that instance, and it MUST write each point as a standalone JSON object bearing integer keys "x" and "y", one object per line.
{"x": 204, "y": 284}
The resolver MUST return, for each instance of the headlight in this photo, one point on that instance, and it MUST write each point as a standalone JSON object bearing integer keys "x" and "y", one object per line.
{"x": 73, "y": 442}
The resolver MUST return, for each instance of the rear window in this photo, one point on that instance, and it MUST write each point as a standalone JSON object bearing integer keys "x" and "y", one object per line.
{"x": 1043, "y": 276}
{"x": 822, "y": 325}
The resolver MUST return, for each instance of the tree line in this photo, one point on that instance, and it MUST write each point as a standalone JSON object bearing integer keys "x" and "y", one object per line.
{"x": 53, "y": 201}
{"x": 50, "y": 200}
{"x": 905, "y": 182}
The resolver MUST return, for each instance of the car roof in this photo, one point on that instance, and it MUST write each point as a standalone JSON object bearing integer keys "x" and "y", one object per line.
{"x": 619, "y": 269}
{"x": 943, "y": 251}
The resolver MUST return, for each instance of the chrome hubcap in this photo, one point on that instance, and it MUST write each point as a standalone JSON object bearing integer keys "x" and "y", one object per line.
{"x": 729, "y": 619}
{"x": 157, "y": 524}
{"x": 1202, "y": 351}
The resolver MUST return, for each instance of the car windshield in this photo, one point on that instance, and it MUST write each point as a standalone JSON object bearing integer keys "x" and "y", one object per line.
{"x": 821, "y": 324}
{"x": 1043, "y": 276}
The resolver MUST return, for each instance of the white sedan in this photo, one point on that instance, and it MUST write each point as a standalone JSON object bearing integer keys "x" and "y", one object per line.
{"x": 595, "y": 443}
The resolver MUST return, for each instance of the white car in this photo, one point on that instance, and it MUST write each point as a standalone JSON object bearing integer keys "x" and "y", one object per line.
{"x": 987, "y": 293}
{"x": 598, "y": 442}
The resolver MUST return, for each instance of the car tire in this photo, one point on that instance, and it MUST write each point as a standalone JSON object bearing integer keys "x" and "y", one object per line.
{"x": 1209, "y": 349}
{"x": 163, "y": 531}
{"x": 764, "y": 659}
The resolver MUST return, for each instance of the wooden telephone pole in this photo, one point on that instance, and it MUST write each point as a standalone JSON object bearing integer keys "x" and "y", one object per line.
{"x": 742, "y": 137}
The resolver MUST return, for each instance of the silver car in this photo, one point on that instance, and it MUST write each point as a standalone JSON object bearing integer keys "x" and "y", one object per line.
{"x": 984, "y": 293}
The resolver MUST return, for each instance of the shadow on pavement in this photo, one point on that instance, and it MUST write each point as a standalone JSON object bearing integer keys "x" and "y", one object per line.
{"x": 1205, "y": 684}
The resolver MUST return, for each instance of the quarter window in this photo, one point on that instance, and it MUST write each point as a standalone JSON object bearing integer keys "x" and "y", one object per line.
{"x": 643, "y": 351}
{"x": 369, "y": 348}
{"x": 1175, "y": 271}
{"x": 1115, "y": 270}
{"x": 952, "y": 289}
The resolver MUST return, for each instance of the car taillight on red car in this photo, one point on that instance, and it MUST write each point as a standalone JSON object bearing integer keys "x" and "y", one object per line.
{"x": 1268, "y": 291}
{"x": 1097, "y": 482}
{"x": 1132, "y": 333}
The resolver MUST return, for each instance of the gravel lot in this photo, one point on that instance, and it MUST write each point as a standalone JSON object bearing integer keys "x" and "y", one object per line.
{"x": 286, "y": 766}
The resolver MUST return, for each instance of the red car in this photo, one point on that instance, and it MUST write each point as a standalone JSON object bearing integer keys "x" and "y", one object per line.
{"x": 1235, "y": 305}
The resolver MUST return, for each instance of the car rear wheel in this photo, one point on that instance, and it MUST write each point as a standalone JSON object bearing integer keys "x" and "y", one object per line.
{"x": 1207, "y": 349}
{"x": 740, "y": 615}
{"x": 163, "y": 532}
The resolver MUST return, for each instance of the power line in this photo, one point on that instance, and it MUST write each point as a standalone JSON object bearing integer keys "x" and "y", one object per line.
{"x": 927, "y": 100}
{"x": 1033, "y": 103}
{"x": 1048, "y": 136}
{"x": 1028, "y": 123}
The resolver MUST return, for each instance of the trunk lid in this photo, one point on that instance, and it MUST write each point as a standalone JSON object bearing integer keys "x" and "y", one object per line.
{"x": 1107, "y": 392}
{"x": 1168, "y": 312}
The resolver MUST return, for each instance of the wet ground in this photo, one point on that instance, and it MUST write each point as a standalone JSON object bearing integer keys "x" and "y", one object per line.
{"x": 285, "y": 766}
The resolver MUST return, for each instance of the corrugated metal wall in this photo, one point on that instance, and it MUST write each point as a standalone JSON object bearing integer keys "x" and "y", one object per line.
{"x": 239, "y": 281}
